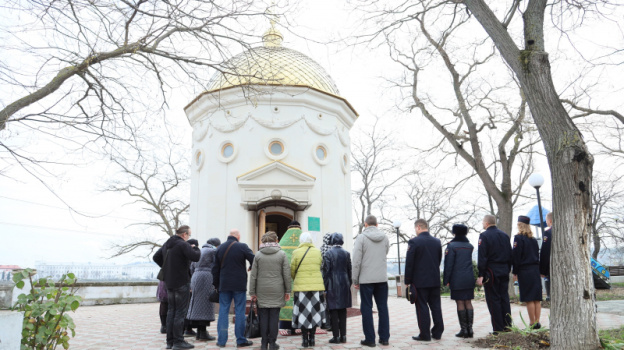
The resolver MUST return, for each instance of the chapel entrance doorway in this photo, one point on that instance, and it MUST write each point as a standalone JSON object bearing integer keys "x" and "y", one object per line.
{"x": 273, "y": 221}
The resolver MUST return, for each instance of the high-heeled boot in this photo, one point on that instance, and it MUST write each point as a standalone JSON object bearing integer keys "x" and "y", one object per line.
{"x": 469, "y": 320}
{"x": 463, "y": 324}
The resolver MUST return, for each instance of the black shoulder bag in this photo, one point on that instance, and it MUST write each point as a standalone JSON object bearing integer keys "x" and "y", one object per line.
{"x": 300, "y": 261}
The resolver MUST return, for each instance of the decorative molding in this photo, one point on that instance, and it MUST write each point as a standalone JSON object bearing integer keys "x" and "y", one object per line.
{"x": 200, "y": 130}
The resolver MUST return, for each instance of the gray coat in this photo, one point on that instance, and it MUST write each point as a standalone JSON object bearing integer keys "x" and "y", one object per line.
{"x": 200, "y": 309}
{"x": 270, "y": 277}
{"x": 369, "y": 256}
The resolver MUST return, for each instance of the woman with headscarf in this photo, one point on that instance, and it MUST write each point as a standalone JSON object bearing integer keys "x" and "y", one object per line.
{"x": 337, "y": 278}
{"x": 308, "y": 307}
{"x": 459, "y": 276}
{"x": 288, "y": 243}
{"x": 525, "y": 269}
{"x": 201, "y": 310}
{"x": 326, "y": 243}
{"x": 269, "y": 285}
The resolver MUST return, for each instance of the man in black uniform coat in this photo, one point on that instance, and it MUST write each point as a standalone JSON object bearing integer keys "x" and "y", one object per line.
{"x": 545, "y": 255}
{"x": 494, "y": 266}
{"x": 175, "y": 257}
{"x": 422, "y": 270}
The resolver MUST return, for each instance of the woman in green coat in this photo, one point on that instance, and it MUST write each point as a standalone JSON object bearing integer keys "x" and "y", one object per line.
{"x": 308, "y": 305}
{"x": 269, "y": 285}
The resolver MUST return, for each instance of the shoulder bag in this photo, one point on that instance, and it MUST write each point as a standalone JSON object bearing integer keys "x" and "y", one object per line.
{"x": 213, "y": 297}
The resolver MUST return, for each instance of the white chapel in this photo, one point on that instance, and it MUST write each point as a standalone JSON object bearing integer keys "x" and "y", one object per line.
{"x": 270, "y": 145}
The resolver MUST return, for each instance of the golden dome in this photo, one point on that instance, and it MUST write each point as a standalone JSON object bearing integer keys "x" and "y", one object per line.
{"x": 273, "y": 64}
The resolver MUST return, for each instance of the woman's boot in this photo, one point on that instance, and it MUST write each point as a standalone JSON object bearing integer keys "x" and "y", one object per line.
{"x": 469, "y": 320}
{"x": 304, "y": 337}
{"x": 311, "y": 336}
{"x": 463, "y": 324}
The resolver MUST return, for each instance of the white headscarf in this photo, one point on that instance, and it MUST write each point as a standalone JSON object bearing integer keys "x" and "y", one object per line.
{"x": 305, "y": 237}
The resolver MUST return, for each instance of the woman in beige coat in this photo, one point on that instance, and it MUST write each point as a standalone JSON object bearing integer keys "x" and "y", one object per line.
{"x": 269, "y": 285}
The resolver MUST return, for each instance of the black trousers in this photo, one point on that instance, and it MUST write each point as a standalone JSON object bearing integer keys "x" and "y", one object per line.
{"x": 269, "y": 322}
{"x": 497, "y": 299}
{"x": 162, "y": 312}
{"x": 429, "y": 299}
{"x": 338, "y": 322}
{"x": 178, "y": 300}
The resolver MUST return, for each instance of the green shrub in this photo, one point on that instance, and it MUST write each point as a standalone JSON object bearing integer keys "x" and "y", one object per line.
{"x": 46, "y": 322}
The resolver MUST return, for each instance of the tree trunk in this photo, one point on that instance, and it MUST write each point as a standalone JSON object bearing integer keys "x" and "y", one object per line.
{"x": 573, "y": 313}
{"x": 573, "y": 306}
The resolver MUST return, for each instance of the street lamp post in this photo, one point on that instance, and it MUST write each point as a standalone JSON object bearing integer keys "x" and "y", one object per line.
{"x": 397, "y": 225}
{"x": 537, "y": 180}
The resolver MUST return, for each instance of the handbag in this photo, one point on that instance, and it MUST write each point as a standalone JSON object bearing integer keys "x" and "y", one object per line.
{"x": 252, "y": 323}
{"x": 213, "y": 296}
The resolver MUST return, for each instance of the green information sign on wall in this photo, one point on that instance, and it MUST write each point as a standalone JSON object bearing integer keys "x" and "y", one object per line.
{"x": 314, "y": 224}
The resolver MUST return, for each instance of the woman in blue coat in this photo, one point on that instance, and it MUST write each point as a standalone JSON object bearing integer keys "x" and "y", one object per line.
{"x": 526, "y": 270}
{"x": 459, "y": 276}
{"x": 337, "y": 280}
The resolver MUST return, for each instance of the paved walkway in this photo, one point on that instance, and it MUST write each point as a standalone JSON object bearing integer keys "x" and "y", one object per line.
{"x": 137, "y": 326}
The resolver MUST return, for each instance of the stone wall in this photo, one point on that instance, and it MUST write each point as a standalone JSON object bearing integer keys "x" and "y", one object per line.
{"x": 107, "y": 293}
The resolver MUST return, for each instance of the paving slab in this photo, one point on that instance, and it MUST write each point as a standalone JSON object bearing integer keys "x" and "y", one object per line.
{"x": 137, "y": 327}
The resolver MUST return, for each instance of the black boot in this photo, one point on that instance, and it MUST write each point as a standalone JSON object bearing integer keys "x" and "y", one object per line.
{"x": 202, "y": 334}
{"x": 334, "y": 340}
{"x": 469, "y": 320}
{"x": 304, "y": 336}
{"x": 343, "y": 339}
{"x": 463, "y": 323}
{"x": 311, "y": 336}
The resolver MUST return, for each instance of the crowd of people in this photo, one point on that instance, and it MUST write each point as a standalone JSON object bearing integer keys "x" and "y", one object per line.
{"x": 297, "y": 286}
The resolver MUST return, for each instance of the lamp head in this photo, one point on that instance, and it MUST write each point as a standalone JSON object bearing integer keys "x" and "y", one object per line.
{"x": 396, "y": 224}
{"x": 536, "y": 180}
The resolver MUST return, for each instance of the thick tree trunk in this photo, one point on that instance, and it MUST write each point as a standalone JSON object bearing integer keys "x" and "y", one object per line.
{"x": 573, "y": 313}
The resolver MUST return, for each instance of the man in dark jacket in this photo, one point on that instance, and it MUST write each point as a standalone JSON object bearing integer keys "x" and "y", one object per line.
{"x": 545, "y": 255}
{"x": 494, "y": 266}
{"x": 229, "y": 275}
{"x": 175, "y": 257}
{"x": 422, "y": 271}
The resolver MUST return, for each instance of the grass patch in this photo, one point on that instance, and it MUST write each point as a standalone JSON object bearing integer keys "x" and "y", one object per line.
{"x": 612, "y": 339}
{"x": 618, "y": 284}
{"x": 517, "y": 338}
{"x": 615, "y": 293}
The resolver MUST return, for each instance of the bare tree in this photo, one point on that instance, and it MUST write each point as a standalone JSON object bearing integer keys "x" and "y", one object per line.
{"x": 606, "y": 225}
{"x": 97, "y": 69}
{"x": 440, "y": 205}
{"x": 157, "y": 186}
{"x": 573, "y": 312}
{"x": 378, "y": 169}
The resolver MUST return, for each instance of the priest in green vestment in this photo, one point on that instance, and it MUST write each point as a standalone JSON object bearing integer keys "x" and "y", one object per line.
{"x": 288, "y": 243}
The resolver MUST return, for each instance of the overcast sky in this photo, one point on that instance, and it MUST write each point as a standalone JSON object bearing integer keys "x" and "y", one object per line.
{"x": 36, "y": 225}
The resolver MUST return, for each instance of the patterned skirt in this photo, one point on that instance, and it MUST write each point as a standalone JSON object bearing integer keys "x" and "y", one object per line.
{"x": 308, "y": 310}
